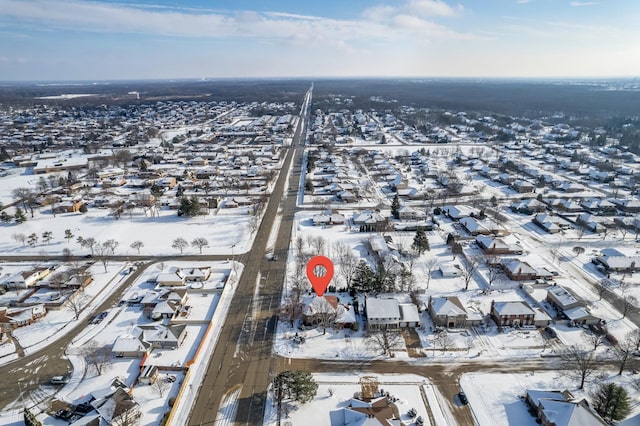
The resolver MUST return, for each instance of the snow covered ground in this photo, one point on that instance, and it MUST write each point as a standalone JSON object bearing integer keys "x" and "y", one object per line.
{"x": 336, "y": 390}
{"x": 208, "y": 306}
{"x": 495, "y": 399}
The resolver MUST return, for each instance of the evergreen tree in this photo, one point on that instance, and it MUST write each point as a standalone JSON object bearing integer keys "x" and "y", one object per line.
{"x": 611, "y": 401}
{"x": 189, "y": 207}
{"x": 4, "y": 217}
{"x": 19, "y": 216}
{"x": 395, "y": 207}
{"x": 420, "y": 242}
{"x": 296, "y": 385}
{"x": 363, "y": 278}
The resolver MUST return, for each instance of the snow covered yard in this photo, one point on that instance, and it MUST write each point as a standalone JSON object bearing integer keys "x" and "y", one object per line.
{"x": 495, "y": 399}
{"x": 335, "y": 392}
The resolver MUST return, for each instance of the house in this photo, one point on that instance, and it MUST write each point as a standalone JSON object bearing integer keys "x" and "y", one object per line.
{"x": 555, "y": 408}
{"x": 382, "y": 313}
{"x": 115, "y": 404}
{"x": 12, "y": 318}
{"x": 514, "y": 314}
{"x": 517, "y": 270}
{"x": 562, "y": 299}
{"x": 612, "y": 260}
{"x": 170, "y": 279}
{"x": 547, "y": 222}
{"x": 629, "y": 205}
{"x": 581, "y": 315}
{"x": 328, "y": 218}
{"x": 328, "y": 308}
{"x": 523, "y": 187}
{"x": 458, "y": 212}
{"x": 26, "y": 279}
{"x": 163, "y": 336}
{"x": 450, "y": 271}
{"x": 409, "y": 213}
{"x": 530, "y": 206}
{"x": 130, "y": 346}
{"x": 589, "y": 222}
{"x": 70, "y": 206}
{"x": 370, "y": 221}
{"x": 447, "y": 312}
{"x": 377, "y": 411}
{"x": 491, "y": 245}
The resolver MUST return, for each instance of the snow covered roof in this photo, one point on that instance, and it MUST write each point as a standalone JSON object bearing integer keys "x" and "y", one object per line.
{"x": 382, "y": 308}
{"x": 443, "y": 306}
{"x": 512, "y": 308}
{"x": 409, "y": 312}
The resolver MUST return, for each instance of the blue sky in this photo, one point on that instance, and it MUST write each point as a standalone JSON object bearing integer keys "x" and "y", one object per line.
{"x": 109, "y": 39}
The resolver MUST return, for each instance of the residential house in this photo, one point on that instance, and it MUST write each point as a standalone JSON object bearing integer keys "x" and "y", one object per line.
{"x": 458, "y": 212}
{"x": 447, "y": 312}
{"x": 326, "y": 308}
{"x": 26, "y": 279}
{"x": 114, "y": 404}
{"x": 518, "y": 270}
{"x": 523, "y": 186}
{"x": 68, "y": 206}
{"x": 547, "y": 222}
{"x": 628, "y": 205}
{"x": 410, "y": 213}
{"x": 130, "y": 346}
{"x": 11, "y": 318}
{"x": 589, "y": 222}
{"x": 496, "y": 246}
{"x": 389, "y": 313}
{"x": 370, "y": 221}
{"x": 530, "y": 206}
{"x": 514, "y": 314}
{"x": 555, "y": 408}
{"x": 162, "y": 336}
{"x": 612, "y": 260}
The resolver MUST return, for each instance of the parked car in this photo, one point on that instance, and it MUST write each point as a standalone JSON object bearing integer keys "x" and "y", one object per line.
{"x": 463, "y": 398}
{"x": 551, "y": 332}
{"x": 59, "y": 380}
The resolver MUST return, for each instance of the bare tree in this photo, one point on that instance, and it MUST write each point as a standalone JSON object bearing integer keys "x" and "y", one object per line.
{"x": 324, "y": 313}
{"x": 89, "y": 243}
{"x": 628, "y": 304}
{"x": 494, "y": 271}
{"x": 634, "y": 338}
{"x": 99, "y": 357}
{"x": 130, "y": 416}
{"x": 137, "y": 245}
{"x": 442, "y": 341}
{"x": 76, "y": 303}
{"x": 429, "y": 268}
{"x": 111, "y": 245}
{"x": 254, "y": 223}
{"x": 180, "y": 244}
{"x": 160, "y": 386}
{"x": 101, "y": 252}
{"x": 56, "y": 280}
{"x": 581, "y": 361}
{"x": 595, "y": 340}
{"x": 200, "y": 243}
{"x": 66, "y": 254}
{"x": 318, "y": 245}
{"x": 622, "y": 352}
{"x": 469, "y": 269}
{"x": 348, "y": 263}
{"x": 384, "y": 340}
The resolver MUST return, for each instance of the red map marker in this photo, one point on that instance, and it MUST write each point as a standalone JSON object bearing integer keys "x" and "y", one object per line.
{"x": 319, "y": 282}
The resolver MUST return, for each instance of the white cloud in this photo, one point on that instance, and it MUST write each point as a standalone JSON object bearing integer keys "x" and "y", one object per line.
{"x": 582, "y": 3}
{"x": 433, "y": 8}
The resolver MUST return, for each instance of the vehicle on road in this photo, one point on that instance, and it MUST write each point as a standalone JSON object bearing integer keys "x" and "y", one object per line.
{"x": 59, "y": 380}
{"x": 463, "y": 398}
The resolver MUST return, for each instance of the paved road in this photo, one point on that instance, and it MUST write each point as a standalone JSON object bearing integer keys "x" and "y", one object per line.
{"x": 243, "y": 355}
{"x": 28, "y": 373}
